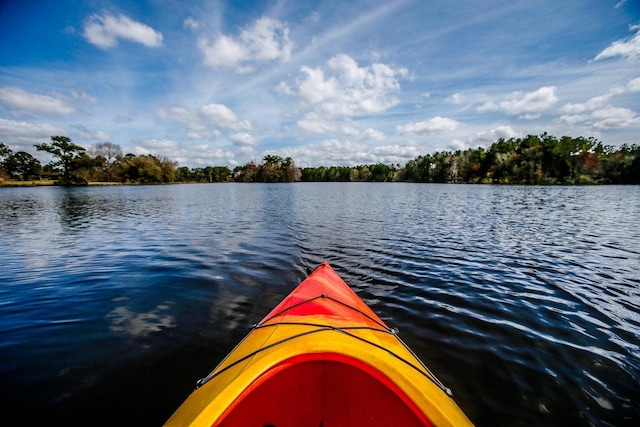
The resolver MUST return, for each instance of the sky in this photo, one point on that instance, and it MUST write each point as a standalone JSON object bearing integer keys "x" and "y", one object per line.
{"x": 325, "y": 82}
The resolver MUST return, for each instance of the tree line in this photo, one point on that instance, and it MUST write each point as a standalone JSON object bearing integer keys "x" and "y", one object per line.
{"x": 73, "y": 164}
{"x": 535, "y": 159}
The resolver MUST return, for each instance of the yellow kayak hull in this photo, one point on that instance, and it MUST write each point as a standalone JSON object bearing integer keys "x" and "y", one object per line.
{"x": 322, "y": 357}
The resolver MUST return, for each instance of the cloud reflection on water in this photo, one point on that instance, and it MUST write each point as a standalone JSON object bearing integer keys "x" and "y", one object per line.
{"x": 135, "y": 324}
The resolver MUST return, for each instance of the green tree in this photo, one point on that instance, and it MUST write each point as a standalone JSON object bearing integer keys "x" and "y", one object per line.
{"x": 148, "y": 169}
{"x": 312, "y": 174}
{"x": 475, "y": 169}
{"x": 66, "y": 152}
{"x": 424, "y": 165}
{"x": 534, "y": 159}
{"x": 623, "y": 165}
{"x": 4, "y": 150}
{"x": 87, "y": 168}
{"x": 277, "y": 169}
{"x": 270, "y": 170}
{"x": 183, "y": 174}
{"x": 381, "y": 173}
{"x": 410, "y": 171}
{"x": 168, "y": 168}
{"x": 221, "y": 174}
{"x": 22, "y": 165}
{"x": 290, "y": 172}
{"x": 246, "y": 173}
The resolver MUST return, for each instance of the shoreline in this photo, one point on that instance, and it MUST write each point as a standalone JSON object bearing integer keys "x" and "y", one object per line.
{"x": 51, "y": 183}
{"x": 48, "y": 183}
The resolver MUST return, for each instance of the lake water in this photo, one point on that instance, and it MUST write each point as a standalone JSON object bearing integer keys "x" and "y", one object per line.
{"x": 525, "y": 301}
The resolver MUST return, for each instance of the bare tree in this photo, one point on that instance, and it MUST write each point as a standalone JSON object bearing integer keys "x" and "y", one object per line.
{"x": 109, "y": 153}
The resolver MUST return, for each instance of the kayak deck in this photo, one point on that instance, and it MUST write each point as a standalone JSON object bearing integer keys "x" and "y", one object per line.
{"x": 320, "y": 357}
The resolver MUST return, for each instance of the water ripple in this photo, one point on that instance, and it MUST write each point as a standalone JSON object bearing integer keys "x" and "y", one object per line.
{"x": 524, "y": 300}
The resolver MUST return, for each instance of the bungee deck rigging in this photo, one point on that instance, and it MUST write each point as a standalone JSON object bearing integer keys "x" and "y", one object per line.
{"x": 327, "y": 328}
{"x": 320, "y": 357}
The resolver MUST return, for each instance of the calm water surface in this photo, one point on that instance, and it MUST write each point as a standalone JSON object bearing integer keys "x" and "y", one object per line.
{"x": 525, "y": 301}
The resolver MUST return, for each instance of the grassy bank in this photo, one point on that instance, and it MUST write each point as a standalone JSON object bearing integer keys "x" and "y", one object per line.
{"x": 31, "y": 183}
{"x": 43, "y": 182}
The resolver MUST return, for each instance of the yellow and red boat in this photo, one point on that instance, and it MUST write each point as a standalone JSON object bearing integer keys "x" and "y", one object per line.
{"x": 322, "y": 357}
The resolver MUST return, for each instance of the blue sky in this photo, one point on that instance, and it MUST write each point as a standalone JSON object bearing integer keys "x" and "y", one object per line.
{"x": 222, "y": 83}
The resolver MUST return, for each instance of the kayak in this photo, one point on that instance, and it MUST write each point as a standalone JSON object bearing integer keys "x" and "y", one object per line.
{"x": 321, "y": 357}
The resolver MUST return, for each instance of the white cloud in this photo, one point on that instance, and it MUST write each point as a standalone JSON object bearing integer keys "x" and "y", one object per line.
{"x": 350, "y": 90}
{"x": 12, "y": 97}
{"x": 338, "y": 152}
{"x": 317, "y": 124}
{"x": 168, "y": 148}
{"x": 221, "y": 115}
{"x": 602, "y": 115}
{"x": 612, "y": 118}
{"x": 372, "y": 135}
{"x": 591, "y": 104}
{"x": 247, "y": 151}
{"x": 574, "y": 119}
{"x": 191, "y": 23}
{"x": 634, "y": 85}
{"x": 284, "y": 89}
{"x": 104, "y": 31}
{"x": 605, "y": 118}
{"x": 243, "y": 139}
{"x": 457, "y": 144}
{"x": 435, "y": 125}
{"x": 314, "y": 89}
{"x": 224, "y": 51}
{"x": 529, "y": 116}
{"x": 311, "y": 122}
{"x": 524, "y": 102}
{"x": 341, "y": 152}
{"x": 87, "y": 134}
{"x": 456, "y": 98}
{"x": 397, "y": 151}
{"x": 484, "y": 138}
{"x": 494, "y": 134}
{"x": 205, "y": 155}
{"x": 21, "y": 136}
{"x": 204, "y": 134}
{"x": 338, "y": 145}
{"x": 160, "y": 145}
{"x": 266, "y": 40}
{"x": 199, "y": 121}
{"x": 185, "y": 115}
{"x": 629, "y": 47}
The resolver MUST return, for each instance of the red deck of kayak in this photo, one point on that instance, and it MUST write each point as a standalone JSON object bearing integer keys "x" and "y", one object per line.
{"x": 323, "y": 389}
{"x": 303, "y": 301}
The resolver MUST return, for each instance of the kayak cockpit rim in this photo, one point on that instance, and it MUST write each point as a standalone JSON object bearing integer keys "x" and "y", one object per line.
{"x": 319, "y": 327}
